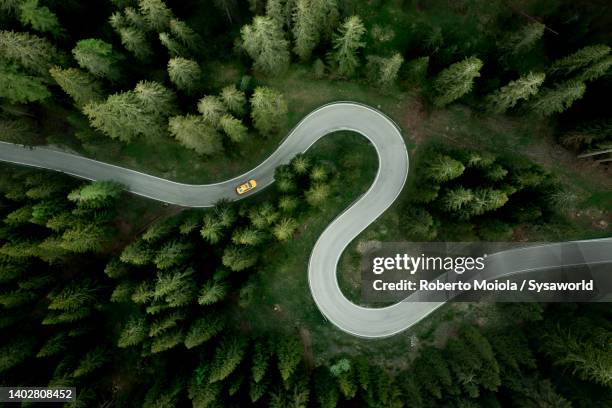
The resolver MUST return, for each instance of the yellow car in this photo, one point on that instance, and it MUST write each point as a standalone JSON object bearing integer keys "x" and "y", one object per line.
{"x": 248, "y": 186}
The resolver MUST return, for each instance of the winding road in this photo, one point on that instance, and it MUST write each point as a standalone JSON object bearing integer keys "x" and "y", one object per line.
{"x": 387, "y": 139}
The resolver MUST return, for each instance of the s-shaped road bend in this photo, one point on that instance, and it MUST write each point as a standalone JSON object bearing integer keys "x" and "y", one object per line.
{"x": 387, "y": 140}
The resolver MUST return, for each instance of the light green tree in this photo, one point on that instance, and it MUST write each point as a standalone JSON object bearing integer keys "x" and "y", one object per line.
{"x": 195, "y": 133}
{"x": 97, "y": 57}
{"x": 317, "y": 194}
{"x": 456, "y": 81}
{"x": 268, "y": 110}
{"x": 212, "y": 109}
{"x": 239, "y": 258}
{"x": 97, "y": 194}
{"x": 265, "y": 43}
{"x": 581, "y": 59}
{"x": 289, "y": 353}
{"x": 596, "y": 70}
{"x": 79, "y": 85}
{"x": 175, "y": 48}
{"x": 212, "y": 230}
{"x": 212, "y": 292}
{"x": 557, "y": 99}
{"x": 305, "y": 29}
{"x": 40, "y": 18}
{"x": 233, "y": 128}
{"x": 384, "y": 71}
{"x": 33, "y": 53}
{"x": 91, "y": 362}
{"x": 284, "y": 229}
{"x": 156, "y": 14}
{"x": 521, "y": 89}
{"x": 184, "y": 73}
{"x": 228, "y": 354}
{"x": 233, "y": 99}
{"x": 347, "y": 42}
{"x": 444, "y": 168}
{"x": 185, "y": 35}
{"x": 135, "y": 41}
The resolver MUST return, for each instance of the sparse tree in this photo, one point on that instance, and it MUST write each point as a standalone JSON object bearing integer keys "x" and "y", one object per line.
{"x": 347, "y": 43}
{"x": 522, "y": 89}
{"x": 264, "y": 41}
{"x": 239, "y": 258}
{"x": 195, "y": 133}
{"x": 456, "y": 81}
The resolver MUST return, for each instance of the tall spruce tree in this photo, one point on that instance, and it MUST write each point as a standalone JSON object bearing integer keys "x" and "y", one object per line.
{"x": 265, "y": 43}
{"x": 347, "y": 42}
{"x": 521, "y": 89}
{"x": 455, "y": 81}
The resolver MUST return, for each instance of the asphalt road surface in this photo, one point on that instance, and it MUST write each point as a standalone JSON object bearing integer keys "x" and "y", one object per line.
{"x": 386, "y": 138}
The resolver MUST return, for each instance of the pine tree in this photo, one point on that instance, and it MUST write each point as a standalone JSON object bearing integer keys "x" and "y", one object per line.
{"x": 156, "y": 14}
{"x": 228, "y": 354}
{"x": 137, "y": 253}
{"x": 203, "y": 329}
{"x": 457, "y": 198}
{"x": 327, "y": 16}
{"x": 40, "y": 18}
{"x": 164, "y": 323}
{"x": 135, "y": 41}
{"x": 384, "y": 71}
{"x": 16, "y": 350}
{"x": 524, "y": 39}
{"x": 596, "y": 70}
{"x": 444, "y": 168}
{"x": 261, "y": 361}
{"x": 233, "y": 99}
{"x": 580, "y": 59}
{"x": 275, "y": 9}
{"x": 211, "y": 109}
{"x": 173, "y": 253}
{"x": 80, "y": 86}
{"x": 558, "y": 99}
{"x": 417, "y": 69}
{"x": 185, "y": 74}
{"x": 347, "y": 43}
{"x": 85, "y": 238}
{"x": 54, "y": 346}
{"x": 284, "y": 229}
{"x": 177, "y": 288}
{"x": 166, "y": 341}
{"x": 239, "y": 258}
{"x": 247, "y": 236}
{"x": 185, "y": 35}
{"x": 33, "y": 53}
{"x": 263, "y": 216}
{"x": 212, "y": 229}
{"x": 264, "y": 41}
{"x": 522, "y": 89}
{"x": 456, "y": 81}
{"x": 317, "y": 195}
{"x": 305, "y": 29}
{"x": 268, "y": 110}
{"x": 289, "y": 353}
{"x": 233, "y": 128}
{"x": 98, "y": 58}
{"x": 91, "y": 362}
{"x": 18, "y": 87}
{"x": 175, "y": 48}
{"x": 288, "y": 203}
{"x": 212, "y": 292}
{"x": 195, "y": 133}
{"x": 97, "y": 194}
